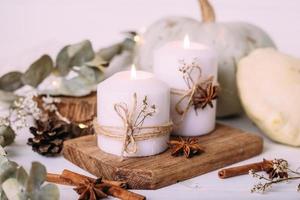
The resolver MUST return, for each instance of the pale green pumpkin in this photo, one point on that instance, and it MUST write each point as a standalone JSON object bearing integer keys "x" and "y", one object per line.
{"x": 232, "y": 41}
{"x": 269, "y": 87}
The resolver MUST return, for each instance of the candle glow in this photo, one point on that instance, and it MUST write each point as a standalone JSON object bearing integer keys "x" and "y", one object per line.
{"x": 186, "y": 42}
{"x": 133, "y": 72}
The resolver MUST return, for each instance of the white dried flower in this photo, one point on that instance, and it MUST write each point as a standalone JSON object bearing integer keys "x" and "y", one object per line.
{"x": 4, "y": 121}
{"x": 22, "y": 108}
{"x": 251, "y": 172}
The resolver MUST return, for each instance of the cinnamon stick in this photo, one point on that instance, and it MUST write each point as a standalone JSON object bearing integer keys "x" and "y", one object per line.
{"x": 75, "y": 176}
{"x": 124, "y": 194}
{"x": 56, "y": 178}
{"x": 240, "y": 170}
{"x": 114, "y": 187}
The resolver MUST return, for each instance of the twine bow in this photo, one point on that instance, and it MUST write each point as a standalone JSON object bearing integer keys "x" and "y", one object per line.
{"x": 129, "y": 145}
{"x": 131, "y": 132}
{"x": 199, "y": 94}
{"x": 192, "y": 94}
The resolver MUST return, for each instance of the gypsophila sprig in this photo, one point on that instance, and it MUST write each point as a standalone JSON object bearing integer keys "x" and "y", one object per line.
{"x": 4, "y": 121}
{"x": 278, "y": 172}
{"x": 22, "y": 108}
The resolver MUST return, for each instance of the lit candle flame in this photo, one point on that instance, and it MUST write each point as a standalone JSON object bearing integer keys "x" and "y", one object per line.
{"x": 186, "y": 42}
{"x": 133, "y": 72}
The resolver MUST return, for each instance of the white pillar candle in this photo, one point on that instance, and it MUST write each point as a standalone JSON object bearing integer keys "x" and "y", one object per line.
{"x": 120, "y": 88}
{"x": 167, "y": 61}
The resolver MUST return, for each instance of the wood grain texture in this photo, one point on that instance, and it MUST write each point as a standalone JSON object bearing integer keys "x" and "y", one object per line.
{"x": 224, "y": 146}
{"x": 76, "y": 109}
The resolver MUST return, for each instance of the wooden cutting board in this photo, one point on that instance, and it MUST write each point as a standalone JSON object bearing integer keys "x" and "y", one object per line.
{"x": 224, "y": 146}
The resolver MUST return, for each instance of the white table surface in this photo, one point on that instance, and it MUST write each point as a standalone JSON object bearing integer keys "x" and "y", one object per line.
{"x": 31, "y": 28}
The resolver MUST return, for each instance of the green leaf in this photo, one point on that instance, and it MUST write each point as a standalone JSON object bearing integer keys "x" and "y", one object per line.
{"x": 92, "y": 75}
{"x": 128, "y": 44}
{"x": 11, "y": 81}
{"x": 2, "y": 153}
{"x": 48, "y": 192}
{"x": 34, "y": 188}
{"x": 7, "y": 96}
{"x": 21, "y": 176}
{"x": 97, "y": 62}
{"x": 7, "y": 170}
{"x": 7, "y": 135}
{"x": 38, "y": 71}
{"x": 108, "y": 53}
{"x": 2, "y": 195}
{"x": 36, "y": 178}
{"x": 79, "y": 86}
{"x": 99, "y": 75}
{"x": 74, "y": 55}
{"x": 63, "y": 61}
{"x": 11, "y": 188}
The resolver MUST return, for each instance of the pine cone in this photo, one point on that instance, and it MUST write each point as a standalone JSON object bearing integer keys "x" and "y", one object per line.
{"x": 49, "y": 136}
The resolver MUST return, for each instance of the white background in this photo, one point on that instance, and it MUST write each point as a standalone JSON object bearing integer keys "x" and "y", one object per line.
{"x": 31, "y": 28}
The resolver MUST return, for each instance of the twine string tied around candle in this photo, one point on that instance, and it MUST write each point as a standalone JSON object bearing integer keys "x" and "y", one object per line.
{"x": 131, "y": 132}
{"x": 200, "y": 92}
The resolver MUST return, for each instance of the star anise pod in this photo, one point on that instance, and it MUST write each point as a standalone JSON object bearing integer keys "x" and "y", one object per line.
{"x": 204, "y": 96}
{"x": 92, "y": 190}
{"x": 189, "y": 147}
{"x": 277, "y": 168}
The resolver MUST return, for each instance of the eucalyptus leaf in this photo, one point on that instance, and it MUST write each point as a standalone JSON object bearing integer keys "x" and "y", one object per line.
{"x": 11, "y": 188}
{"x": 7, "y": 96}
{"x": 71, "y": 85}
{"x": 34, "y": 188}
{"x": 79, "y": 86}
{"x": 74, "y": 55}
{"x": 48, "y": 192}
{"x": 2, "y": 153}
{"x": 108, "y": 53}
{"x": 81, "y": 53}
{"x": 38, "y": 71}
{"x": 36, "y": 177}
{"x": 99, "y": 75}
{"x": 93, "y": 75}
{"x": 128, "y": 44}
{"x": 118, "y": 63}
{"x": 87, "y": 73}
{"x": 97, "y": 62}
{"x": 63, "y": 61}
{"x": 16, "y": 184}
{"x": 2, "y": 195}
{"x": 7, "y": 170}
{"x": 21, "y": 176}
{"x": 7, "y": 135}
{"x": 11, "y": 81}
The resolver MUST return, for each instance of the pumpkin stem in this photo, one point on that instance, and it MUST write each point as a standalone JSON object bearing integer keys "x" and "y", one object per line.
{"x": 207, "y": 11}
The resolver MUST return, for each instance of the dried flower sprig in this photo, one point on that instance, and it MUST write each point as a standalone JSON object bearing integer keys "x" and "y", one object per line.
{"x": 21, "y": 108}
{"x": 49, "y": 104}
{"x": 146, "y": 111}
{"x": 201, "y": 90}
{"x": 278, "y": 172}
{"x": 187, "y": 69}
